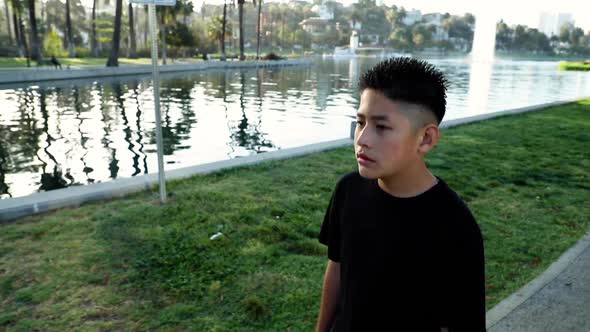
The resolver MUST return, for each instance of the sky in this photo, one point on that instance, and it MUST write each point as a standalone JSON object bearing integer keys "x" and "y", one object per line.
{"x": 525, "y": 12}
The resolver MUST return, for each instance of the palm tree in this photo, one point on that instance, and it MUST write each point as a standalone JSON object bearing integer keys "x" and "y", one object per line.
{"x": 258, "y": 29}
{"x": 94, "y": 40}
{"x": 8, "y": 21}
{"x": 35, "y": 46}
{"x": 24, "y": 40}
{"x": 166, "y": 13}
{"x": 163, "y": 31}
{"x": 241, "y": 27}
{"x": 223, "y": 30}
{"x": 218, "y": 30}
{"x": 69, "y": 30}
{"x": 113, "y": 60}
{"x": 17, "y": 10}
{"x": 132, "y": 42}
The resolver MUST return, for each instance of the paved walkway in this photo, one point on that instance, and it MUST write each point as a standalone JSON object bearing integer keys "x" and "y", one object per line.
{"x": 558, "y": 300}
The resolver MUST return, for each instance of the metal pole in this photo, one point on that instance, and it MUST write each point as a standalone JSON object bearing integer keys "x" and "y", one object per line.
{"x": 156, "y": 88}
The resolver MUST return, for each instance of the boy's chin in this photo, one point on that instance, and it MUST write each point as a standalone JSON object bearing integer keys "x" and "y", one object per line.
{"x": 368, "y": 173}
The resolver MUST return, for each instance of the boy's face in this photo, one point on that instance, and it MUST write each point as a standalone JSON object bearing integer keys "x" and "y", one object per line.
{"x": 385, "y": 141}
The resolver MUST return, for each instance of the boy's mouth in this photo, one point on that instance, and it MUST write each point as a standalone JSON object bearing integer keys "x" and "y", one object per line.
{"x": 363, "y": 158}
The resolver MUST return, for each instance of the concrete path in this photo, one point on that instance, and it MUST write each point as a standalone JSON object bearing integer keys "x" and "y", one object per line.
{"x": 558, "y": 300}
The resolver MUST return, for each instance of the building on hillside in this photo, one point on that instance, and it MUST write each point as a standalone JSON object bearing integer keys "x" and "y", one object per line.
{"x": 323, "y": 12}
{"x": 412, "y": 16}
{"x": 435, "y": 19}
{"x": 315, "y": 25}
{"x": 297, "y": 3}
{"x": 550, "y": 23}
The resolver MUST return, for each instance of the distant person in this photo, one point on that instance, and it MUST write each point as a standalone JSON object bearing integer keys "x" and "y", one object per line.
{"x": 55, "y": 62}
{"x": 405, "y": 253}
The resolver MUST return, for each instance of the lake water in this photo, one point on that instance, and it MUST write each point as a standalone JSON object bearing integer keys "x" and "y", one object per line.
{"x": 65, "y": 133}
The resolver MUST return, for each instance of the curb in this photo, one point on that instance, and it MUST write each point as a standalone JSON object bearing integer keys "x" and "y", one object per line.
{"x": 506, "y": 306}
{"x": 14, "y": 208}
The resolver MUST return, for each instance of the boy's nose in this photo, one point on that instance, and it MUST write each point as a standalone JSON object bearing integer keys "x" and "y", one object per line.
{"x": 362, "y": 136}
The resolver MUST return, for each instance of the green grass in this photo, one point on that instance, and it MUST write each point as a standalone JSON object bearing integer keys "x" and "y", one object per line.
{"x": 21, "y": 62}
{"x": 574, "y": 65}
{"x": 131, "y": 264}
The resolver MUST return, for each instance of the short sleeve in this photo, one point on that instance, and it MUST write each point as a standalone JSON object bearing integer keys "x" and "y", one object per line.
{"x": 330, "y": 231}
{"x": 465, "y": 280}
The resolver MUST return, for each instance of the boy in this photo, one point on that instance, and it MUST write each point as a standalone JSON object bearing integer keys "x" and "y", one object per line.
{"x": 405, "y": 253}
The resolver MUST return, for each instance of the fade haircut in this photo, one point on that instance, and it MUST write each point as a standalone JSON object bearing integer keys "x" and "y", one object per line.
{"x": 408, "y": 80}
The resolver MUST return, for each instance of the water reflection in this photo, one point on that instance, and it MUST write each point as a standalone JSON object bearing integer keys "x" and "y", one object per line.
{"x": 59, "y": 134}
{"x": 53, "y": 179}
{"x": 479, "y": 87}
{"x": 247, "y": 133}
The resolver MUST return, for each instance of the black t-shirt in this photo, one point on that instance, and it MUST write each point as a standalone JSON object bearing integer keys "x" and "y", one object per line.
{"x": 407, "y": 264}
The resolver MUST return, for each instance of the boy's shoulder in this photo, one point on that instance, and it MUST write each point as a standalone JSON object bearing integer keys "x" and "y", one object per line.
{"x": 350, "y": 181}
{"x": 457, "y": 214}
{"x": 449, "y": 197}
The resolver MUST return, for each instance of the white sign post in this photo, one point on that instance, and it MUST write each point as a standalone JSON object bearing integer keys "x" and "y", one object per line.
{"x": 156, "y": 86}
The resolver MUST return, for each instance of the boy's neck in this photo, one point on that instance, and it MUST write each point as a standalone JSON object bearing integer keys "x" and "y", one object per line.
{"x": 410, "y": 183}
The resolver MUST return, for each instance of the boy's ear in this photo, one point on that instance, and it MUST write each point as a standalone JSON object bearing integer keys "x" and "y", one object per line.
{"x": 429, "y": 137}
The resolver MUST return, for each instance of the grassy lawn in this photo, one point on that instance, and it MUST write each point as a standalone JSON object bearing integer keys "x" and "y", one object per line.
{"x": 130, "y": 264}
{"x": 22, "y": 62}
{"x": 574, "y": 65}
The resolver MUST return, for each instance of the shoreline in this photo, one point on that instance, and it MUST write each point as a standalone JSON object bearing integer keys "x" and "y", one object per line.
{"x": 50, "y": 74}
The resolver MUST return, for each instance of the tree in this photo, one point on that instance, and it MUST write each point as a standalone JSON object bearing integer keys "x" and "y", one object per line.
{"x": 35, "y": 46}
{"x": 374, "y": 20}
{"x": 401, "y": 38}
{"x": 395, "y": 16}
{"x": 8, "y": 28}
{"x": 241, "y": 27}
{"x": 218, "y": 29}
{"x": 24, "y": 40}
{"x": 93, "y": 38}
{"x": 132, "y": 49}
{"x": 69, "y": 31}
{"x": 68, "y": 18}
{"x": 17, "y": 10}
{"x": 223, "y": 31}
{"x": 52, "y": 45}
{"x": 421, "y": 35}
{"x": 503, "y": 36}
{"x": 168, "y": 18}
{"x": 356, "y": 15}
{"x": 302, "y": 38}
{"x": 113, "y": 60}
{"x": 564, "y": 32}
{"x": 258, "y": 29}
{"x": 180, "y": 36}
{"x": 576, "y": 36}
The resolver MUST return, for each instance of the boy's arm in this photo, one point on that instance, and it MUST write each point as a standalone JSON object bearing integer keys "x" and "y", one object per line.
{"x": 330, "y": 297}
{"x": 464, "y": 296}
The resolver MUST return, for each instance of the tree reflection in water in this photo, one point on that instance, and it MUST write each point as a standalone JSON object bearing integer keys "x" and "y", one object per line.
{"x": 55, "y": 178}
{"x": 138, "y": 113}
{"x": 245, "y": 133}
{"x": 176, "y": 95}
{"x": 108, "y": 128}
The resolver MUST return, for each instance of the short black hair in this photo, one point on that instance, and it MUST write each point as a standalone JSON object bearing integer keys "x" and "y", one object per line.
{"x": 408, "y": 80}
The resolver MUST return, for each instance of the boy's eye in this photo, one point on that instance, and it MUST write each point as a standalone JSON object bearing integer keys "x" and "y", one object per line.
{"x": 381, "y": 127}
{"x": 360, "y": 123}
